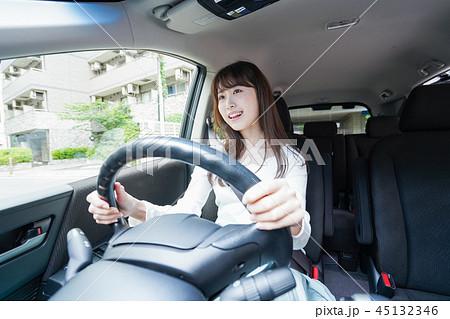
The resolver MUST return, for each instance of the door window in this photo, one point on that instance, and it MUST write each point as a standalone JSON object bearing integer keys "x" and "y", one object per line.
{"x": 63, "y": 114}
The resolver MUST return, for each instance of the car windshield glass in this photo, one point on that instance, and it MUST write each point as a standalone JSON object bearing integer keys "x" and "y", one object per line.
{"x": 63, "y": 114}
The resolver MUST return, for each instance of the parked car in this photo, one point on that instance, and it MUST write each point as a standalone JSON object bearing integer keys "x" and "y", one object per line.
{"x": 365, "y": 85}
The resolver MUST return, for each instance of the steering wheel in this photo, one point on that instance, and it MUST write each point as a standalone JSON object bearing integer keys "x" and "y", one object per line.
{"x": 237, "y": 175}
{"x": 181, "y": 256}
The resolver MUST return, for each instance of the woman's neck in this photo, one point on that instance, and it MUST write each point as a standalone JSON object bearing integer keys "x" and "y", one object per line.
{"x": 255, "y": 146}
{"x": 253, "y": 134}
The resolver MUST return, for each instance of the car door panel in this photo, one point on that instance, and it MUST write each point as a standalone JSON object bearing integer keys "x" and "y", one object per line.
{"x": 23, "y": 262}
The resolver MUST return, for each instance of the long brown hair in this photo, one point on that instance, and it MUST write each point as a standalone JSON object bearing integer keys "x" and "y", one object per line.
{"x": 243, "y": 73}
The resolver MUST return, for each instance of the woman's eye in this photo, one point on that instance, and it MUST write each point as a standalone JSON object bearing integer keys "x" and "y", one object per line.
{"x": 221, "y": 97}
{"x": 237, "y": 91}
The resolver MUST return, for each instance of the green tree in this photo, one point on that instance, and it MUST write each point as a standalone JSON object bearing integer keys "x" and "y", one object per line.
{"x": 174, "y": 118}
{"x": 111, "y": 124}
{"x": 102, "y": 116}
{"x": 366, "y": 117}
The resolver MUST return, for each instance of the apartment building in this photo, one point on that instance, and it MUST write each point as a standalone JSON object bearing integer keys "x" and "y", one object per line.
{"x": 35, "y": 89}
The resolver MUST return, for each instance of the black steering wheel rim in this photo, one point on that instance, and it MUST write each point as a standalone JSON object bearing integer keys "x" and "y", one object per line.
{"x": 212, "y": 160}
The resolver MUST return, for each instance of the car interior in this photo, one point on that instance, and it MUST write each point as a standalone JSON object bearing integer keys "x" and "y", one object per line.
{"x": 362, "y": 88}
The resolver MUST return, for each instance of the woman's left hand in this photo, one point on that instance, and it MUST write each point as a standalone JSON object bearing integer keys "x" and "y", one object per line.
{"x": 274, "y": 204}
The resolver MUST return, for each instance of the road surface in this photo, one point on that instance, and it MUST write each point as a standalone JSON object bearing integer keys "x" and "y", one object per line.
{"x": 37, "y": 178}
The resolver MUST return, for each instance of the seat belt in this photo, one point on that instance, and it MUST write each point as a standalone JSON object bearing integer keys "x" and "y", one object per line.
{"x": 301, "y": 263}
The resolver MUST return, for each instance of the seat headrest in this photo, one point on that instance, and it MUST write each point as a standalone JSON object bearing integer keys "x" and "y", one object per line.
{"x": 283, "y": 112}
{"x": 427, "y": 109}
{"x": 382, "y": 126}
{"x": 320, "y": 129}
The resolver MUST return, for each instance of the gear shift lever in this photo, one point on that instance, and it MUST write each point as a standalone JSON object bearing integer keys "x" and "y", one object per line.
{"x": 80, "y": 252}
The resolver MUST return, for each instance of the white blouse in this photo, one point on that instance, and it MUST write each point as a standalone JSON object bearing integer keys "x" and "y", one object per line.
{"x": 230, "y": 209}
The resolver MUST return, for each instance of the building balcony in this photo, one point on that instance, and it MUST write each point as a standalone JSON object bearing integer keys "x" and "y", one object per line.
{"x": 27, "y": 121}
{"x": 136, "y": 71}
{"x": 28, "y": 81}
{"x": 21, "y": 63}
{"x": 139, "y": 72}
{"x": 16, "y": 68}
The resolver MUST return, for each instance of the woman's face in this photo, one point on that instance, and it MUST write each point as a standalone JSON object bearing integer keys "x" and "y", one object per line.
{"x": 239, "y": 108}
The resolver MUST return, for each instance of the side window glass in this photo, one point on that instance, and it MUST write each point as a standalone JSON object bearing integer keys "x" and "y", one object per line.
{"x": 63, "y": 114}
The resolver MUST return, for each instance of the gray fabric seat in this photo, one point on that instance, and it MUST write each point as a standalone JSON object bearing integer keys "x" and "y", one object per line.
{"x": 357, "y": 145}
{"x": 409, "y": 182}
{"x": 360, "y": 145}
{"x": 341, "y": 237}
{"x": 324, "y": 134}
{"x": 285, "y": 117}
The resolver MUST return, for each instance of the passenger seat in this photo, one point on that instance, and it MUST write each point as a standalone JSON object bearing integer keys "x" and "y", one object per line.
{"x": 403, "y": 191}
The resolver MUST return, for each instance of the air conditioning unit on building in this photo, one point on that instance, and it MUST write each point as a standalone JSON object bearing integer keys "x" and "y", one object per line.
{"x": 181, "y": 75}
{"x": 14, "y": 70}
{"x": 96, "y": 66}
{"x": 16, "y": 103}
{"x": 36, "y": 95}
{"x": 132, "y": 88}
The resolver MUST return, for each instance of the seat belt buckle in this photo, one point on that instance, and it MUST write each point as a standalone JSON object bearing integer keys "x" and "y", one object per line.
{"x": 315, "y": 272}
{"x": 386, "y": 285}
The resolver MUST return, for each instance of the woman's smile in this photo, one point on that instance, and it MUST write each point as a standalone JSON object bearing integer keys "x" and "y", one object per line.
{"x": 235, "y": 115}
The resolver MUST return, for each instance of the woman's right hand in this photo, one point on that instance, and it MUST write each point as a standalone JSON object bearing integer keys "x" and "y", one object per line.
{"x": 104, "y": 214}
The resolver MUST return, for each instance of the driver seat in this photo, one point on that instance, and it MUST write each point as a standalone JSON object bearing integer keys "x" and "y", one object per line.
{"x": 319, "y": 194}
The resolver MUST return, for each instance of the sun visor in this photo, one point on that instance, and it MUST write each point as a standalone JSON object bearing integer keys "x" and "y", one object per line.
{"x": 192, "y": 16}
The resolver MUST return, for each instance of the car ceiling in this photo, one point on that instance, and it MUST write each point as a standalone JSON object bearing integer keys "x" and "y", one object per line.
{"x": 288, "y": 40}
